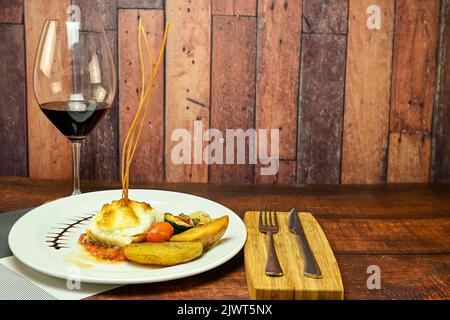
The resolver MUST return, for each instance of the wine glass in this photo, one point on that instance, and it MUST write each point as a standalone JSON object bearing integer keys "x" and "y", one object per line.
{"x": 74, "y": 81}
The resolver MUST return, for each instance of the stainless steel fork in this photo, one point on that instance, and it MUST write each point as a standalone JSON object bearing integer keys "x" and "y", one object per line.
{"x": 269, "y": 225}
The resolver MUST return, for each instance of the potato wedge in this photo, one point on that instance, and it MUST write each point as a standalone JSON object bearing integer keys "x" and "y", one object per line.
{"x": 163, "y": 253}
{"x": 208, "y": 233}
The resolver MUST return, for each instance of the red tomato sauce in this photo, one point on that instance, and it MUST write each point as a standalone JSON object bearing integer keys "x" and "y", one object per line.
{"x": 111, "y": 254}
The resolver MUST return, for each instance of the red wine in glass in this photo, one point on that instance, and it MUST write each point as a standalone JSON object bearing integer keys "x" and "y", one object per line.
{"x": 75, "y": 119}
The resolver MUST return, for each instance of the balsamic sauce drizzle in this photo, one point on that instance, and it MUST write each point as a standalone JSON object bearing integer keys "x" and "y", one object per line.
{"x": 57, "y": 240}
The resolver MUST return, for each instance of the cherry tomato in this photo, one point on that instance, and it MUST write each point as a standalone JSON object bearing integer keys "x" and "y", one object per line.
{"x": 159, "y": 232}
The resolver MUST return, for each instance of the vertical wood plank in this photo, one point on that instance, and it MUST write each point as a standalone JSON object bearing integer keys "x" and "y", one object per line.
{"x": 321, "y": 108}
{"x": 409, "y": 158}
{"x": 286, "y": 174}
{"x": 99, "y": 151}
{"x": 234, "y": 7}
{"x": 222, "y": 7}
{"x": 441, "y": 137}
{"x": 368, "y": 92}
{"x": 325, "y": 16}
{"x": 245, "y": 7}
{"x": 187, "y": 92}
{"x": 414, "y": 69}
{"x": 140, "y": 4}
{"x": 279, "y": 36}
{"x": 148, "y": 160}
{"x": 11, "y": 11}
{"x": 413, "y": 86}
{"x": 233, "y": 87}
{"x": 13, "y": 108}
{"x": 49, "y": 152}
{"x": 101, "y": 13}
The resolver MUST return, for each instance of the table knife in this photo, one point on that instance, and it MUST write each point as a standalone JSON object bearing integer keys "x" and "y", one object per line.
{"x": 310, "y": 266}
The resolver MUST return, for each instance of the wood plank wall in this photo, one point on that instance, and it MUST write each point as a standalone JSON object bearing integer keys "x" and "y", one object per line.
{"x": 321, "y": 99}
{"x": 367, "y": 103}
{"x": 359, "y": 89}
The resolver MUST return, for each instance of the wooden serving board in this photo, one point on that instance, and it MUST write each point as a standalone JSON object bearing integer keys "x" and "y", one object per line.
{"x": 292, "y": 285}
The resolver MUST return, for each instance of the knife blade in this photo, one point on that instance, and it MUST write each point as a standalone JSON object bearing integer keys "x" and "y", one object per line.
{"x": 310, "y": 267}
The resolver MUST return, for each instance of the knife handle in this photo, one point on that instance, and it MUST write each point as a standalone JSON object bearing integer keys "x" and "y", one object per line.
{"x": 310, "y": 266}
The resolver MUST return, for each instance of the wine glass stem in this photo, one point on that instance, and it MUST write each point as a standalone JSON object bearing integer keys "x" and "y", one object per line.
{"x": 76, "y": 167}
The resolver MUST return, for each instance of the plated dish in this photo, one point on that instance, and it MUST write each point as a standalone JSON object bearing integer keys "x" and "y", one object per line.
{"x": 48, "y": 238}
{"x": 135, "y": 231}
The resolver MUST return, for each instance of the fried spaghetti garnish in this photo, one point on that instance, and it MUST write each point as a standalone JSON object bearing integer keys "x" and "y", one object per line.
{"x": 134, "y": 133}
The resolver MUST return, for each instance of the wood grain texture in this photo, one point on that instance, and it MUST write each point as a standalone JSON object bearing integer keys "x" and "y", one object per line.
{"x": 141, "y": 4}
{"x": 409, "y": 157}
{"x": 13, "y": 105}
{"x": 286, "y": 173}
{"x": 234, "y": 7}
{"x": 393, "y": 236}
{"x": 49, "y": 152}
{"x": 367, "y": 103}
{"x": 325, "y": 16}
{"x": 413, "y": 90}
{"x": 292, "y": 285}
{"x": 404, "y": 276}
{"x": 321, "y": 104}
{"x": 233, "y": 89}
{"x": 188, "y": 91}
{"x": 414, "y": 68}
{"x": 279, "y": 36}
{"x": 11, "y": 11}
{"x": 440, "y": 168}
{"x": 97, "y": 13}
{"x": 148, "y": 160}
{"x": 326, "y": 202}
{"x": 100, "y": 149}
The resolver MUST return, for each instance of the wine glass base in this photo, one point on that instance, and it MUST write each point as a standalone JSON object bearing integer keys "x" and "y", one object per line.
{"x": 76, "y": 192}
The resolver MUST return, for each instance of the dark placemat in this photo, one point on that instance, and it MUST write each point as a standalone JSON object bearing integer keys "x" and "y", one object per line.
{"x": 7, "y": 220}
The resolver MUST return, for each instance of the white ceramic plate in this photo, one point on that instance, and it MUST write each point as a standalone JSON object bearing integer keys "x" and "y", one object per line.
{"x": 30, "y": 238}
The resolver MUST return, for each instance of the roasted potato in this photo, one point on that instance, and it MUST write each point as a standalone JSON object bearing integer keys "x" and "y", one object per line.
{"x": 208, "y": 233}
{"x": 163, "y": 253}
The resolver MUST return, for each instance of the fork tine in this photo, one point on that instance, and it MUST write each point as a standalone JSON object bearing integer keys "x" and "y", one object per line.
{"x": 260, "y": 217}
{"x": 275, "y": 217}
{"x": 265, "y": 215}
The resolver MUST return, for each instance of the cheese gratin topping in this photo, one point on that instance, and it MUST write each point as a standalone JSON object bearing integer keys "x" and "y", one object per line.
{"x": 116, "y": 225}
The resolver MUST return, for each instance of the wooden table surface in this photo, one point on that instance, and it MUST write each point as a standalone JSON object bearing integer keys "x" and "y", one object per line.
{"x": 403, "y": 229}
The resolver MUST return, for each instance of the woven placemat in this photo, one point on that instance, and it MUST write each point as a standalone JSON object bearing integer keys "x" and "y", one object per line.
{"x": 7, "y": 220}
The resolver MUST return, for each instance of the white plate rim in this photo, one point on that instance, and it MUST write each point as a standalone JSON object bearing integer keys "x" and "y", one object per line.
{"x": 90, "y": 279}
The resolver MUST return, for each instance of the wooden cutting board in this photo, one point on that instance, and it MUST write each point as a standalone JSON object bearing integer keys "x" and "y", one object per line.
{"x": 293, "y": 285}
